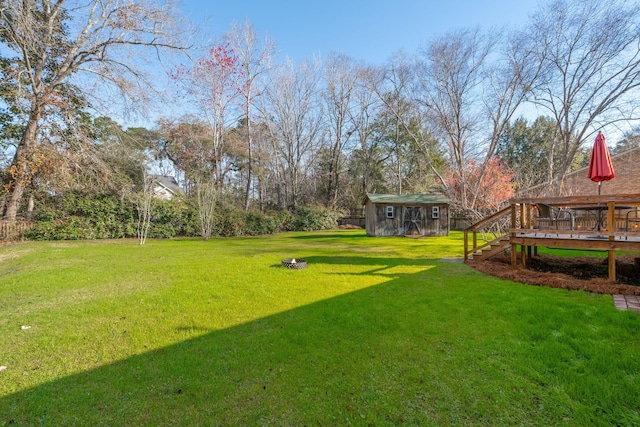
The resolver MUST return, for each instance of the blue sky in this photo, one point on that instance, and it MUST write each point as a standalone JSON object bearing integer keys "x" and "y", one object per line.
{"x": 366, "y": 30}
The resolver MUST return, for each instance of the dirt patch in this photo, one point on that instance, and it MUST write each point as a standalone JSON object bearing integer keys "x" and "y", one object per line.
{"x": 589, "y": 274}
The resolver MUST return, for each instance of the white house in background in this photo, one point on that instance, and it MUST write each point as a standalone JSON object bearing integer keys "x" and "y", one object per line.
{"x": 165, "y": 187}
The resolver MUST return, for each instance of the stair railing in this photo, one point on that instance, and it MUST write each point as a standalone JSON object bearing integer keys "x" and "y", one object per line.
{"x": 489, "y": 229}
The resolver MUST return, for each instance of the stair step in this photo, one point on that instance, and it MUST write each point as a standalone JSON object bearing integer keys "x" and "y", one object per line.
{"x": 494, "y": 247}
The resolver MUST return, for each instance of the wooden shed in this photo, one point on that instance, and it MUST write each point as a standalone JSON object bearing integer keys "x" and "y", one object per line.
{"x": 406, "y": 214}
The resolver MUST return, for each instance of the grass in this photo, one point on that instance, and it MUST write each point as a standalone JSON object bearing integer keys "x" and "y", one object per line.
{"x": 574, "y": 253}
{"x": 376, "y": 331}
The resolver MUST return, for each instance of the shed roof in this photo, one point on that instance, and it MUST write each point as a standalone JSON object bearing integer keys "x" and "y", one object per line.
{"x": 407, "y": 199}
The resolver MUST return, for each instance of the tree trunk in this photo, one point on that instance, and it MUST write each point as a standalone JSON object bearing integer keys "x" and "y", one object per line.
{"x": 19, "y": 171}
{"x": 327, "y": 202}
{"x": 14, "y": 197}
{"x": 247, "y": 195}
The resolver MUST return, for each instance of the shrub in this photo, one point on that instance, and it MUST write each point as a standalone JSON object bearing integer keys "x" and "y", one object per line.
{"x": 284, "y": 220}
{"x": 170, "y": 218}
{"x": 309, "y": 218}
{"x": 228, "y": 222}
{"x": 258, "y": 223}
{"x": 75, "y": 215}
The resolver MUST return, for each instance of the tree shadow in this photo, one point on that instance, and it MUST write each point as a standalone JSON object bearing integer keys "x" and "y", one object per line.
{"x": 330, "y": 235}
{"x": 363, "y": 261}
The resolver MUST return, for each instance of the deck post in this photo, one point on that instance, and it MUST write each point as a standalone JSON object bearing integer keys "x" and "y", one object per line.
{"x": 523, "y": 224}
{"x": 514, "y": 247}
{"x": 475, "y": 241}
{"x": 466, "y": 246}
{"x": 534, "y": 224}
{"x": 612, "y": 266}
{"x": 611, "y": 228}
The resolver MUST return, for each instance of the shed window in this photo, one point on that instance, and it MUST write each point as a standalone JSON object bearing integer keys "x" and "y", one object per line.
{"x": 389, "y": 211}
{"x": 435, "y": 212}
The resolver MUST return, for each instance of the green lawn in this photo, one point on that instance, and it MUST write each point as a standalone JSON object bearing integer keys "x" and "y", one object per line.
{"x": 376, "y": 331}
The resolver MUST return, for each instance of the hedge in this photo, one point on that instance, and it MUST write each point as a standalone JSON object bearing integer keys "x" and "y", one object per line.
{"x": 75, "y": 215}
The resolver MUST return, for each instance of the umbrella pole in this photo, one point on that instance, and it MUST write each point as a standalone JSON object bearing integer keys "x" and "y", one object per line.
{"x": 599, "y": 211}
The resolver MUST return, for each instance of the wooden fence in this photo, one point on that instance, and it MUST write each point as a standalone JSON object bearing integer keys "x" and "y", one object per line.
{"x": 355, "y": 217}
{"x": 13, "y": 230}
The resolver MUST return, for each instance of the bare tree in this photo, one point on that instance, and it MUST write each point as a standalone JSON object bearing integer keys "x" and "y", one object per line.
{"x": 213, "y": 82}
{"x": 338, "y": 96}
{"x": 591, "y": 50}
{"x": 412, "y": 150}
{"x": 393, "y": 88}
{"x": 365, "y": 159}
{"x": 207, "y": 195}
{"x": 192, "y": 148}
{"x": 292, "y": 116}
{"x": 449, "y": 78}
{"x": 144, "y": 206}
{"x": 255, "y": 60}
{"x": 508, "y": 80}
{"x": 55, "y": 48}
{"x": 469, "y": 86}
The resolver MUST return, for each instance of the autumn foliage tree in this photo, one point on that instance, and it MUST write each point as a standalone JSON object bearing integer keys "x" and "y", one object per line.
{"x": 254, "y": 58}
{"x": 188, "y": 145}
{"x": 213, "y": 82}
{"x": 495, "y": 186}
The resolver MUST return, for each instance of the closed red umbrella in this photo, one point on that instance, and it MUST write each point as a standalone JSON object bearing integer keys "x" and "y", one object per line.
{"x": 600, "y": 166}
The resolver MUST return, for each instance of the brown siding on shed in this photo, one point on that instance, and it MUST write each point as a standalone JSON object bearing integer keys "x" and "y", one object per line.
{"x": 377, "y": 223}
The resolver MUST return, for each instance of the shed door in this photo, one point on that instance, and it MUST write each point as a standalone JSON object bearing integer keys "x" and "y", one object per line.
{"x": 412, "y": 220}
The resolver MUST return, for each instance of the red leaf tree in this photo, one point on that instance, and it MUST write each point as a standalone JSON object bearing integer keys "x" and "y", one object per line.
{"x": 495, "y": 188}
{"x": 213, "y": 82}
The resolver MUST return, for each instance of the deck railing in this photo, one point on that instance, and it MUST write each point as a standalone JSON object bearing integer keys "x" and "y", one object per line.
{"x": 608, "y": 215}
{"x": 592, "y": 222}
{"x": 607, "y": 222}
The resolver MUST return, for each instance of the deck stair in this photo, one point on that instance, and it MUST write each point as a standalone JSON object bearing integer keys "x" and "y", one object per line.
{"x": 493, "y": 248}
{"x": 488, "y": 237}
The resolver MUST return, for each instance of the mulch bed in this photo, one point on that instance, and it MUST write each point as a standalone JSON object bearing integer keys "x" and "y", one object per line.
{"x": 589, "y": 274}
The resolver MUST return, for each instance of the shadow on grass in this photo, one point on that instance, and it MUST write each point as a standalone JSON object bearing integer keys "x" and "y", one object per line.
{"x": 369, "y": 260}
{"x": 388, "y": 354}
{"x": 330, "y": 235}
{"x": 387, "y": 262}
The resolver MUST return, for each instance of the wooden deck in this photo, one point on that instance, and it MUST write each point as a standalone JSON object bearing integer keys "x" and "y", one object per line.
{"x": 607, "y": 223}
